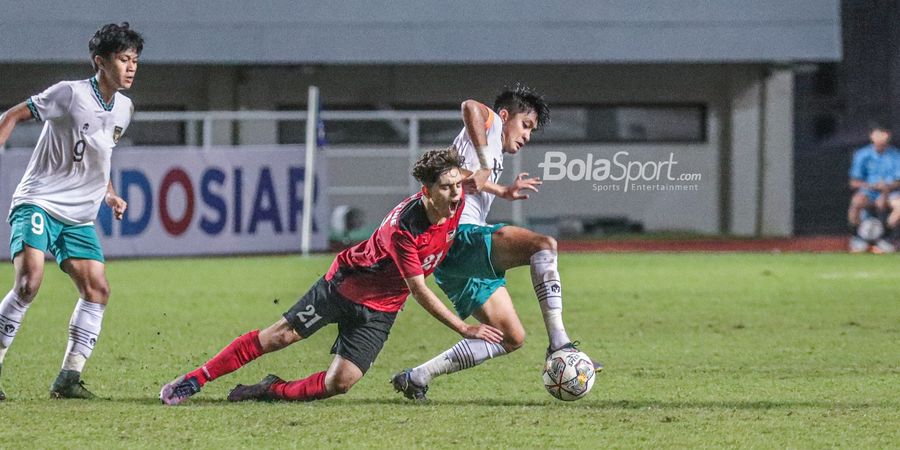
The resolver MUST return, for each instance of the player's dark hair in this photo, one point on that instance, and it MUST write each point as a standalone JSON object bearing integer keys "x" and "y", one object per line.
{"x": 433, "y": 163}
{"x": 878, "y": 125}
{"x": 113, "y": 38}
{"x": 521, "y": 98}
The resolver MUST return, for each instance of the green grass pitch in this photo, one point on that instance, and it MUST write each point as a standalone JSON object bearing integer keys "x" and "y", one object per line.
{"x": 734, "y": 350}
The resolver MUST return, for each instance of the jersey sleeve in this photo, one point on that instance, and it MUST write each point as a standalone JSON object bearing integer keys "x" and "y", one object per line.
{"x": 127, "y": 119}
{"x": 466, "y": 149}
{"x": 494, "y": 125}
{"x": 403, "y": 251}
{"x": 52, "y": 103}
{"x": 490, "y": 120}
{"x": 858, "y": 166}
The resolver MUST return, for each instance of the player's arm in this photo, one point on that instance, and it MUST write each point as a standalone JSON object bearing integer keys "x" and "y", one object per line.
{"x": 511, "y": 192}
{"x": 427, "y": 298}
{"x": 116, "y": 203}
{"x": 406, "y": 258}
{"x": 858, "y": 172}
{"x": 11, "y": 118}
{"x": 475, "y": 117}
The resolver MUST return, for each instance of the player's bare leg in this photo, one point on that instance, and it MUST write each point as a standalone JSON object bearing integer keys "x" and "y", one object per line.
{"x": 89, "y": 277}
{"x": 893, "y": 220}
{"x": 29, "y": 267}
{"x": 337, "y": 380}
{"x": 277, "y": 336}
{"x": 499, "y": 312}
{"x": 513, "y": 246}
{"x": 235, "y": 355}
{"x": 858, "y": 203}
{"x": 887, "y": 210}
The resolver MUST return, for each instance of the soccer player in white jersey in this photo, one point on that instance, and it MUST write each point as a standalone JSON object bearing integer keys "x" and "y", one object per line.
{"x": 68, "y": 177}
{"x": 473, "y": 273}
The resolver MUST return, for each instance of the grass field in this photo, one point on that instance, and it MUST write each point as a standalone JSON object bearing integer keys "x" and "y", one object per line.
{"x": 765, "y": 351}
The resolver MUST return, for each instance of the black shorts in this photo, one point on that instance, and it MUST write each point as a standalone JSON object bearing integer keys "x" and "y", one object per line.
{"x": 362, "y": 331}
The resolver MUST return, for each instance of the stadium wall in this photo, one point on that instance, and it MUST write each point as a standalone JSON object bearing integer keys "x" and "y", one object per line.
{"x": 744, "y": 160}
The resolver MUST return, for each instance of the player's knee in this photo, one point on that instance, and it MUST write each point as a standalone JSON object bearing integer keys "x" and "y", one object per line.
{"x": 513, "y": 341}
{"x": 98, "y": 292}
{"x": 894, "y": 219}
{"x": 285, "y": 338}
{"x": 27, "y": 287}
{"x": 277, "y": 338}
{"x": 341, "y": 385}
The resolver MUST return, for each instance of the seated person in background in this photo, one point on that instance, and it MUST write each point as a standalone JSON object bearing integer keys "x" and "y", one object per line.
{"x": 875, "y": 180}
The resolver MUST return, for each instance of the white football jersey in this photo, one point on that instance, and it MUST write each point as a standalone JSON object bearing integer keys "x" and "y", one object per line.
{"x": 477, "y": 206}
{"x": 69, "y": 170}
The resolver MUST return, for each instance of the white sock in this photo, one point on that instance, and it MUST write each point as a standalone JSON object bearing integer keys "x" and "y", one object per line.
{"x": 548, "y": 288}
{"x": 12, "y": 310}
{"x": 84, "y": 329}
{"x": 466, "y": 354}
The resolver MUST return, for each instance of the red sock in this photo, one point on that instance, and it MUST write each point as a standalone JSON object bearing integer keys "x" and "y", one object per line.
{"x": 239, "y": 352}
{"x": 309, "y": 388}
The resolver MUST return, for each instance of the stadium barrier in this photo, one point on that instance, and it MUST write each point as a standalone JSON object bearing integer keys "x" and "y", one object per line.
{"x": 222, "y": 200}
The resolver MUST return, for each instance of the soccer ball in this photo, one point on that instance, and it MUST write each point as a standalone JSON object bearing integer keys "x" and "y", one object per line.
{"x": 568, "y": 374}
{"x": 870, "y": 229}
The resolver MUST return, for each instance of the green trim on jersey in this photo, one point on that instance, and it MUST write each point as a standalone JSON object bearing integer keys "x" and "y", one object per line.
{"x": 95, "y": 85}
{"x": 33, "y": 109}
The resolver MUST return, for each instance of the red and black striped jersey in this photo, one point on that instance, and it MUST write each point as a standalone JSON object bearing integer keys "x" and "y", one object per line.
{"x": 406, "y": 244}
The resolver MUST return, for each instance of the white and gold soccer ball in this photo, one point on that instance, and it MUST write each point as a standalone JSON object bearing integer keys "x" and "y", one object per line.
{"x": 568, "y": 374}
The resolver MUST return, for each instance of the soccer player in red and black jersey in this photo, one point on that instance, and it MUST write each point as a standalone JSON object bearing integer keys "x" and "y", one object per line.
{"x": 362, "y": 292}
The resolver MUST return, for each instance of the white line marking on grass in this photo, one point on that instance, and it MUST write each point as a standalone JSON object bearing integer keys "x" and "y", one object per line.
{"x": 857, "y": 275}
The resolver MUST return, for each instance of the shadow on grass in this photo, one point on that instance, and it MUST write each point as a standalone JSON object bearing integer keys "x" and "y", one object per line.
{"x": 154, "y": 401}
{"x": 641, "y": 404}
{"x": 585, "y": 404}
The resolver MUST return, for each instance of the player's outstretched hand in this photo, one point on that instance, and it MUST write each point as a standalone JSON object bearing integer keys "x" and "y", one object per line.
{"x": 482, "y": 331}
{"x": 522, "y": 182}
{"x": 117, "y": 204}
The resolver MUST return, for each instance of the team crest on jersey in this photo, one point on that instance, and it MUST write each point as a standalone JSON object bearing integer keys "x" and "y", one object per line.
{"x": 450, "y": 235}
{"x": 84, "y": 128}
{"x": 117, "y": 133}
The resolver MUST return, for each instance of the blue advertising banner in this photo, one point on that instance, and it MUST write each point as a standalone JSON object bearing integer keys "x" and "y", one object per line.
{"x": 225, "y": 200}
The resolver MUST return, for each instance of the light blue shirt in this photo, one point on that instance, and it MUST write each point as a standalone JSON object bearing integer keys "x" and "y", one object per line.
{"x": 873, "y": 167}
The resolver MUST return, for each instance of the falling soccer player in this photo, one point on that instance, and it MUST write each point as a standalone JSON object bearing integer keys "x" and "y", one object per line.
{"x": 362, "y": 292}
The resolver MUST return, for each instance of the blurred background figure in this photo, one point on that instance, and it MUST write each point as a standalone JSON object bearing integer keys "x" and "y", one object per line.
{"x": 875, "y": 205}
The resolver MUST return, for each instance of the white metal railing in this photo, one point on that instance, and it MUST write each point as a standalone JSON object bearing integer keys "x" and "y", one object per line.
{"x": 411, "y": 119}
{"x": 208, "y": 118}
